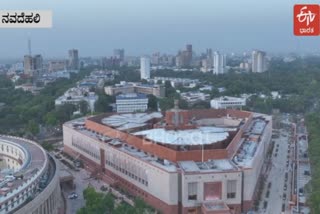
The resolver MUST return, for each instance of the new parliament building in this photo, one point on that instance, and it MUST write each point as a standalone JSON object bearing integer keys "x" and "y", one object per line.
{"x": 178, "y": 161}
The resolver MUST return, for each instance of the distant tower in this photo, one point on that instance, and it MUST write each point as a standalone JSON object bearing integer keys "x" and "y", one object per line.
{"x": 188, "y": 54}
{"x": 29, "y": 46}
{"x": 28, "y": 65}
{"x": 28, "y": 62}
{"x": 259, "y": 61}
{"x": 189, "y": 48}
{"x": 73, "y": 59}
{"x": 219, "y": 61}
{"x": 209, "y": 53}
{"x": 119, "y": 54}
{"x": 37, "y": 62}
{"x": 145, "y": 68}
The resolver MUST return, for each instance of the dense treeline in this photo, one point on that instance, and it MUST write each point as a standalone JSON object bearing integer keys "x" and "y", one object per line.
{"x": 313, "y": 124}
{"x": 101, "y": 203}
{"x": 23, "y": 111}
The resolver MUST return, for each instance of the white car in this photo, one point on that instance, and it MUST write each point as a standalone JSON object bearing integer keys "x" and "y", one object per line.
{"x": 73, "y": 195}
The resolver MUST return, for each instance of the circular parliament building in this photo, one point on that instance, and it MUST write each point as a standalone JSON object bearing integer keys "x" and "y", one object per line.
{"x": 29, "y": 178}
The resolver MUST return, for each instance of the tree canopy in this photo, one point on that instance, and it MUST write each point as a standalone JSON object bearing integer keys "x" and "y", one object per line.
{"x": 101, "y": 203}
{"x": 23, "y": 110}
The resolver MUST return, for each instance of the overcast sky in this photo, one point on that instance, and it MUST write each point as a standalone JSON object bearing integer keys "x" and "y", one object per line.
{"x": 96, "y": 27}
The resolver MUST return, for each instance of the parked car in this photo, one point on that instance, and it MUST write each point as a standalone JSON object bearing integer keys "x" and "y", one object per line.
{"x": 73, "y": 195}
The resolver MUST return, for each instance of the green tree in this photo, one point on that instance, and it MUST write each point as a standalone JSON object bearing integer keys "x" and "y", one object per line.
{"x": 84, "y": 107}
{"x": 100, "y": 203}
{"x": 103, "y": 103}
{"x": 143, "y": 81}
{"x": 313, "y": 124}
{"x": 22, "y": 107}
{"x": 152, "y": 102}
{"x": 140, "y": 206}
{"x": 65, "y": 112}
{"x": 166, "y": 104}
{"x": 47, "y": 146}
{"x": 170, "y": 91}
{"x": 183, "y": 104}
{"x": 201, "y": 105}
{"x": 50, "y": 119}
{"x": 214, "y": 93}
{"x": 124, "y": 208}
{"x": 97, "y": 203}
{"x": 33, "y": 127}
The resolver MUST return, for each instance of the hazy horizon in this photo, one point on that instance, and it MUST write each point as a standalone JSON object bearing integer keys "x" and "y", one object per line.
{"x": 143, "y": 27}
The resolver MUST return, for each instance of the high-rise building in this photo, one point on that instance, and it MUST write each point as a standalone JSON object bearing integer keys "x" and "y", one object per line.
{"x": 219, "y": 61}
{"x": 73, "y": 59}
{"x": 259, "y": 61}
{"x": 207, "y": 61}
{"x": 33, "y": 65}
{"x": 184, "y": 57}
{"x": 189, "y": 48}
{"x": 188, "y": 54}
{"x": 38, "y": 64}
{"x": 28, "y": 65}
{"x": 119, "y": 54}
{"x": 145, "y": 68}
{"x": 209, "y": 53}
{"x": 167, "y": 60}
{"x": 179, "y": 60}
{"x": 38, "y": 61}
{"x": 206, "y": 65}
{"x": 155, "y": 59}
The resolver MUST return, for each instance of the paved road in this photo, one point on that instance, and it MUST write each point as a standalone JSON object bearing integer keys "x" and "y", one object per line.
{"x": 277, "y": 178}
{"x": 80, "y": 184}
{"x": 82, "y": 180}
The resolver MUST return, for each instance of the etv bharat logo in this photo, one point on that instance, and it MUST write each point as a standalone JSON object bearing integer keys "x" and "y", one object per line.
{"x": 306, "y": 20}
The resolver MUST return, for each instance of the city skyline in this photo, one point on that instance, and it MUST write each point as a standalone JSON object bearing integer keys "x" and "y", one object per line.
{"x": 142, "y": 27}
{"x": 165, "y": 106}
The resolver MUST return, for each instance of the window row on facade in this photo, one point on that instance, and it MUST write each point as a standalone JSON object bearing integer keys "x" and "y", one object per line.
{"x": 87, "y": 149}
